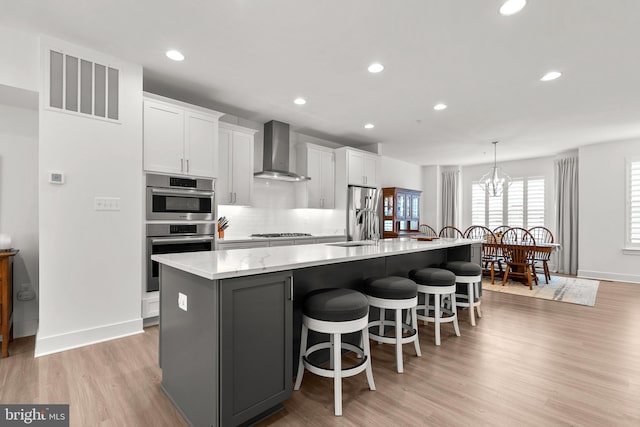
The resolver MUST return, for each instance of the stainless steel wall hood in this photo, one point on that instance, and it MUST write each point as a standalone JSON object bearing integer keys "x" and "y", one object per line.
{"x": 276, "y": 154}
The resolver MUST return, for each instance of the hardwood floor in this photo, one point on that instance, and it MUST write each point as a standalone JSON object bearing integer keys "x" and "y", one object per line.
{"x": 528, "y": 362}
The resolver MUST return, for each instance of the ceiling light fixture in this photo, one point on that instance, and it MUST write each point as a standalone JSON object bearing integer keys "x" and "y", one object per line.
{"x": 551, "y": 75}
{"x": 369, "y": 126}
{"x": 175, "y": 55}
{"x": 375, "y": 67}
{"x": 511, "y": 7}
{"x": 495, "y": 181}
{"x": 440, "y": 107}
{"x": 300, "y": 101}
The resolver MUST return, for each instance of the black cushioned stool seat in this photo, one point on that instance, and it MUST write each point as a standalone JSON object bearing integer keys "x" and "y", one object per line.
{"x": 336, "y": 305}
{"x": 394, "y": 293}
{"x": 468, "y": 283}
{"x": 436, "y": 284}
{"x": 433, "y": 276}
{"x": 463, "y": 268}
{"x": 391, "y": 287}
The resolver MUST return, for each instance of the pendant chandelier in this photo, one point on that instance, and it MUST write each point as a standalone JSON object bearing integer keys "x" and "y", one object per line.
{"x": 494, "y": 181}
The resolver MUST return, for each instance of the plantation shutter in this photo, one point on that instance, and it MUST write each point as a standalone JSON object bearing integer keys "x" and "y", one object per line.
{"x": 535, "y": 202}
{"x": 478, "y": 199}
{"x": 515, "y": 203}
{"x": 634, "y": 203}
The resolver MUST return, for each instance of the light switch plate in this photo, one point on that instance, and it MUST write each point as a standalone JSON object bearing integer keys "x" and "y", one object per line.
{"x": 106, "y": 203}
{"x": 182, "y": 301}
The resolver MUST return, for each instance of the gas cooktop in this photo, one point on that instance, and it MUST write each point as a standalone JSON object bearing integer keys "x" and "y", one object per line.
{"x": 267, "y": 235}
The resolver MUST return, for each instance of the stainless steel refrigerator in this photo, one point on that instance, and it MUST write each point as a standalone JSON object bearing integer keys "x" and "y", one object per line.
{"x": 363, "y": 213}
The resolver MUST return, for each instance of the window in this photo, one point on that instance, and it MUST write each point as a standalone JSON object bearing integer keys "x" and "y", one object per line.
{"x": 522, "y": 205}
{"x": 633, "y": 204}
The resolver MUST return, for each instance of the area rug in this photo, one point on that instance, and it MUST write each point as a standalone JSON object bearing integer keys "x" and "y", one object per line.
{"x": 564, "y": 289}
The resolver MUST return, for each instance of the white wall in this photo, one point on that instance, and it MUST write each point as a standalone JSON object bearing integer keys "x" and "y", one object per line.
{"x": 602, "y": 212}
{"x": 397, "y": 173}
{"x": 542, "y": 166}
{"x": 19, "y": 207}
{"x": 431, "y": 200}
{"x": 90, "y": 261}
{"x": 20, "y": 63}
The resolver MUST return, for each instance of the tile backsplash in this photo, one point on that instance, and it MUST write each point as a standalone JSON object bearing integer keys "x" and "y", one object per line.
{"x": 274, "y": 211}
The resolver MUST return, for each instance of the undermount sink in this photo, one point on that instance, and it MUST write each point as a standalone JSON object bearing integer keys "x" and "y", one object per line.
{"x": 353, "y": 243}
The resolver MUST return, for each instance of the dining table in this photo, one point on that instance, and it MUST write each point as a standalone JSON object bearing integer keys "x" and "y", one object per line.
{"x": 520, "y": 250}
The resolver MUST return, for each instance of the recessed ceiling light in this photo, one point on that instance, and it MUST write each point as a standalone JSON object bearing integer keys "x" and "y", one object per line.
{"x": 375, "y": 67}
{"x": 369, "y": 126}
{"x": 300, "y": 101}
{"x": 439, "y": 107}
{"x": 175, "y": 55}
{"x": 551, "y": 75}
{"x": 511, "y": 7}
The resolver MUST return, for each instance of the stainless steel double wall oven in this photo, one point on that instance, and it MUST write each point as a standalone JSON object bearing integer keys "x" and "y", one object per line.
{"x": 181, "y": 218}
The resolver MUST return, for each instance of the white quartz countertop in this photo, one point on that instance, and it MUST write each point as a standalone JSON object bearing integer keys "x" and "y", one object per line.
{"x": 224, "y": 264}
{"x": 266, "y": 239}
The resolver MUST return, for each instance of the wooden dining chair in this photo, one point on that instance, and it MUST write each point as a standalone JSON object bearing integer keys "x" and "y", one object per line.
{"x": 519, "y": 249}
{"x": 451, "y": 232}
{"x": 489, "y": 249}
{"x": 543, "y": 235}
{"x": 499, "y": 231}
{"x": 427, "y": 230}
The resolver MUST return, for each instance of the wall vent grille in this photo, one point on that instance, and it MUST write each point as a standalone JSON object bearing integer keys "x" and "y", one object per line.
{"x": 80, "y": 86}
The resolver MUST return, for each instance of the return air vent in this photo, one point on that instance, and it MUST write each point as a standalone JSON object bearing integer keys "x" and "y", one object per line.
{"x": 81, "y": 86}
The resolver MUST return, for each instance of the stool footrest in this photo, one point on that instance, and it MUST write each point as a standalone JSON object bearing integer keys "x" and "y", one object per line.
{"x": 391, "y": 340}
{"x": 329, "y": 373}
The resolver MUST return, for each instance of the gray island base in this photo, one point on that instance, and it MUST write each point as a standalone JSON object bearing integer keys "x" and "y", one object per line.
{"x": 230, "y": 321}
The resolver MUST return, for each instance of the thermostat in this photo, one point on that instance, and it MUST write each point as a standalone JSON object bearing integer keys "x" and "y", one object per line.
{"x": 56, "y": 178}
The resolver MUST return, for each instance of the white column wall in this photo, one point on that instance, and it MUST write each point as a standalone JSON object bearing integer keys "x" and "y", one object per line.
{"x": 91, "y": 261}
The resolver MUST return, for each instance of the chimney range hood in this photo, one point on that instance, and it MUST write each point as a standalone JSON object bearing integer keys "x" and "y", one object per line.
{"x": 275, "y": 164}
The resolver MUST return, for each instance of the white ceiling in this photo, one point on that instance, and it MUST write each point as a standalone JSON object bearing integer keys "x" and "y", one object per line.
{"x": 253, "y": 57}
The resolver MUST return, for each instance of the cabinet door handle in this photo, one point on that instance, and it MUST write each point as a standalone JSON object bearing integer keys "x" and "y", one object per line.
{"x": 235, "y": 197}
{"x": 291, "y": 288}
{"x": 181, "y": 165}
{"x": 230, "y": 197}
{"x": 187, "y": 165}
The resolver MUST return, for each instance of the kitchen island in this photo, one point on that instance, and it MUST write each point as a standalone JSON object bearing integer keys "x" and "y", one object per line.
{"x": 230, "y": 320}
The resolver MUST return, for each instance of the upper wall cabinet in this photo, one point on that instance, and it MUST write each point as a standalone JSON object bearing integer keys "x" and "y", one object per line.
{"x": 235, "y": 183}
{"x": 318, "y": 163}
{"x": 180, "y": 138}
{"x": 362, "y": 167}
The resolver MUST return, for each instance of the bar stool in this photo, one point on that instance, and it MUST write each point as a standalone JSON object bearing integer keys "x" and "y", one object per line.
{"x": 470, "y": 274}
{"x": 335, "y": 312}
{"x": 439, "y": 283}
{"x": 394, "y": 293}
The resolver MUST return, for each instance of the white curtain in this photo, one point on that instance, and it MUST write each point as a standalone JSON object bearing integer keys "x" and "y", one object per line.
{"x": 450, "y": 198}
{"x": 566, "y": 177}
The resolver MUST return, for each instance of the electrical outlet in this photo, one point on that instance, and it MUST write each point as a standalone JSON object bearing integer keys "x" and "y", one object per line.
{"x": 106, "y": 203}
{"x": 182, "y": 301}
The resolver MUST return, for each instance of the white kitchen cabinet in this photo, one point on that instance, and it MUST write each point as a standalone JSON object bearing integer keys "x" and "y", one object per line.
{"x": 331, "y": 239}
{"x": 179, "y": 138}
{"x": 235, "y": 184}
{"x": 318, "y": 163}
{"x": 362, "y": 168}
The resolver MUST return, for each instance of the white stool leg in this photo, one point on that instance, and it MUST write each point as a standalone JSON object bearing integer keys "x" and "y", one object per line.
{"x": 303, "y": 349}
{"x": 470, "y": 295}
{"x": 367, "y": 353}
{"x": 414, "y": 325}
{"x": 381, "y": 327}
{"x": 337, "y": 372}
{"x": 454, "y": 310}
{"x": 436, "y": 308}
{"x": 476, "y": 286}
{"x": 408, "y": 318}
{"x": 399, "y": 366}
{"x": 331, "y": 361}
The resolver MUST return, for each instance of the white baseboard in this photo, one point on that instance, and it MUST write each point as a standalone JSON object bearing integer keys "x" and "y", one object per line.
{"x": 81, "y": 338}
{"x": 605, "y": 275}
{"x": 151, "y": 321}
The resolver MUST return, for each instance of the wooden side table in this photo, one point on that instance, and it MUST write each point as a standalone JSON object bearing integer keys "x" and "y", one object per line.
{"x": 6, "y": 299}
